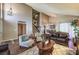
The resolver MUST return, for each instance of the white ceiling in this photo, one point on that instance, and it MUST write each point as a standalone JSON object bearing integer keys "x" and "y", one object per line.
{"x": 52, "y": 9}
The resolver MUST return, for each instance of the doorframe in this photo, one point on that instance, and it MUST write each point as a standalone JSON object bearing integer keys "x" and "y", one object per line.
{"x": 21, "y": 22}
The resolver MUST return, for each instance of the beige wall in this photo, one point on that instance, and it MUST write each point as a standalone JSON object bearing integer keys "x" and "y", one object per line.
{"x": 47, "y": 20}
{"x": 44, "y": 19}
{"x": 0, "y": 29}
{"x": 21, "y": 12}
{"x": 0, "y": 24}
{"x": 61, "y": 19}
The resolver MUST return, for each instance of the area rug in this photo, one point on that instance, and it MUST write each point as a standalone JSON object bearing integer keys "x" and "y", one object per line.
{"x": 58, "y": 50}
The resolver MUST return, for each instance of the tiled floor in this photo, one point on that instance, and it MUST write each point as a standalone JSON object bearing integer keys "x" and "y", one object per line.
{"x": 58, "y": 50}
{"x": 33, "y": 50}
{"x": 62, "y": 50}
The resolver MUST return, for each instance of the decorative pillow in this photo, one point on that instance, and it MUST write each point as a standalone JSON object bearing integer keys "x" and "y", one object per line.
{"x": 62, "y": 35}
{"x": 55, "y": 34}
{"x": 24, "y": 38}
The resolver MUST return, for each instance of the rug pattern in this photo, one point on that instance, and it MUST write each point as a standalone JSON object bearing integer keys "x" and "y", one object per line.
{"x": 58, "y": 50}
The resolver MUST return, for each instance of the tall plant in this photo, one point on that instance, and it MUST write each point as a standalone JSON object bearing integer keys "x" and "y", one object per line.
{"x": 74, "y": 24}
{"x": 76, "y": 32}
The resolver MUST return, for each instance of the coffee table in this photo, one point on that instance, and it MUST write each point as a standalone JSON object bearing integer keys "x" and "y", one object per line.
{"x": 46, "y": 49}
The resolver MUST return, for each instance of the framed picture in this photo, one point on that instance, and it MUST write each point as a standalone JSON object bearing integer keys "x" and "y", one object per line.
{"x": 52, "y": 26}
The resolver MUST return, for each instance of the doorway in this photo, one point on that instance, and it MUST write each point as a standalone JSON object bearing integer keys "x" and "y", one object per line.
{"x": 21, "y": 28}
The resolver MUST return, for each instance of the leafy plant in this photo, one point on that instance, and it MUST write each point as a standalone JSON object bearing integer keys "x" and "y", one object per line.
{"x": 74, "y": 24}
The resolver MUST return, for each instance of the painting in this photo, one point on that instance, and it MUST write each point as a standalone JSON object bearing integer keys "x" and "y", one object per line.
{"x": 52, "y": 27}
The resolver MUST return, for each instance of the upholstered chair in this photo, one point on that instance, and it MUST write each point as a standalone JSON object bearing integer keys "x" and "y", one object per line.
{"x": 25, "y": 41}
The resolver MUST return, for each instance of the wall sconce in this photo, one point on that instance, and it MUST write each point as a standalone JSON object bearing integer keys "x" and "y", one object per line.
{"x": 10, "y": 11}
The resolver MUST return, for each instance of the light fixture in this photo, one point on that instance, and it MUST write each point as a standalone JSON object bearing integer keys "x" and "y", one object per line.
{"x": 10, "y": 11}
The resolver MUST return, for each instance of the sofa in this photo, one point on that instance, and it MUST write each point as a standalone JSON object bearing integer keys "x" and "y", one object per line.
{"x": 4, "y": 49}
{"x": 61, "y": 36}
{"x": 25, "y": 41}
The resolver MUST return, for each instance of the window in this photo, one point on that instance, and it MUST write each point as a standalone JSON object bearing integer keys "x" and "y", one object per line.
{"x": 64, "y": 27}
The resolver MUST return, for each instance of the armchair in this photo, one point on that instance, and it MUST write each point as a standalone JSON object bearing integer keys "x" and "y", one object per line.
{"x": 25, "y": 41}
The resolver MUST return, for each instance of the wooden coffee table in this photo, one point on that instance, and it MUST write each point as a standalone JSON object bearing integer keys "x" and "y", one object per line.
{"x": 46, "y": 49}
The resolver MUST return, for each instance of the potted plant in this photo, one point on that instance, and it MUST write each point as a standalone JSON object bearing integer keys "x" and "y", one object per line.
{"x": 76, "y": 29}
{"x": 76, "y": 32}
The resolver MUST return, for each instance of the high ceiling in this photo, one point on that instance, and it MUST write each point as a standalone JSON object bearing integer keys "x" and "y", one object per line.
{"x": 52, "y": 9}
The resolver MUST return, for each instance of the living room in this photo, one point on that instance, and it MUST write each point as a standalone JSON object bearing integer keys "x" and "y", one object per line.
{"x": 40, "y": 26}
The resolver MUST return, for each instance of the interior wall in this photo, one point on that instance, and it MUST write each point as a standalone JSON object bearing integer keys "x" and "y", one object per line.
{"x": 0, "y": 29}
{"x": 1, "y": 33}
{"x": 61, "y": 19}
{"x": 1, "y": 23}
{"x": 21, "y": 12}
{"x": 44, "y": 19}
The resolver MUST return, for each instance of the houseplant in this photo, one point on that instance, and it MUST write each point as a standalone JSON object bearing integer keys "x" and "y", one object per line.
{"x": 76, "y": 32}
{"x": 75, "y": 27}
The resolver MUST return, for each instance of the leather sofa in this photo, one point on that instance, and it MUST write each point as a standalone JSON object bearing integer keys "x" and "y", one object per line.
{"x": 4, "y": 49}
{"x": 61, "y": 36}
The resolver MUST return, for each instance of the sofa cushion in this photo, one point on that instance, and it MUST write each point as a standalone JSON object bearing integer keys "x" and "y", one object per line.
{"x": 3, "y": 47}
{"x": 24, "y": 38}
{"x": 55, "y": 34}
{"x": 63, "y": 35}
{"x": 4, "y": 50}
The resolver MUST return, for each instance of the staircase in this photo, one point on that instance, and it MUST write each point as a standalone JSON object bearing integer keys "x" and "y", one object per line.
{"x": 35, "y": 29}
